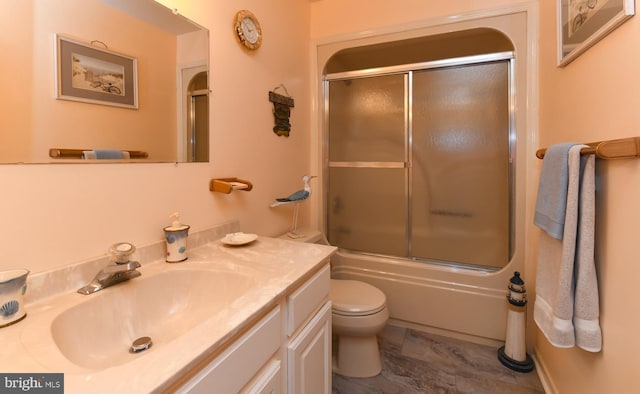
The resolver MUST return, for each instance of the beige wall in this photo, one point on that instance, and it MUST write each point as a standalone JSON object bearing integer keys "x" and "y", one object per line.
{"x": 15, "y": 136}
{"x": 335, "y": 17}
{"x": 55, "y": 215}
{"x": 594, "y": 98}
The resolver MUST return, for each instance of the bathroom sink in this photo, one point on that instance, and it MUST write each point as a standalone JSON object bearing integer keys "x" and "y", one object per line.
{"x": 98, "y": 332}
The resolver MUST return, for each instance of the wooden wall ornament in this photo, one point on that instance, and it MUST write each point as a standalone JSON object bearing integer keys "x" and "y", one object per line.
{"x": 281, "y": 111}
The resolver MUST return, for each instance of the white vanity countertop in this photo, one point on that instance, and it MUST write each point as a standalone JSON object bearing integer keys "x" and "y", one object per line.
{"x": 278, "y": 265}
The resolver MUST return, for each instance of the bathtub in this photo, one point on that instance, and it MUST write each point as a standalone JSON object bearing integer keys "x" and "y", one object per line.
{"x": 453, "y": 301}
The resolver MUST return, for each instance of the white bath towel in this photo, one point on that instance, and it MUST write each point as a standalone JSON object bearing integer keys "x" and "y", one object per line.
{"x": 566, "y": 308}
{"x": 586, "y": 309}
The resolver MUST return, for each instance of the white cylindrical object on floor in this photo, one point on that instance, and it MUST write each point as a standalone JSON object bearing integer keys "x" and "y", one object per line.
{"x": 515, "y": 346}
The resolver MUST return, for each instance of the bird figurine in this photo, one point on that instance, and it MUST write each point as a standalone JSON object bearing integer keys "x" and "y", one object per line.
{"x": 301, "y": 194}
{"x": 296, "y": 197}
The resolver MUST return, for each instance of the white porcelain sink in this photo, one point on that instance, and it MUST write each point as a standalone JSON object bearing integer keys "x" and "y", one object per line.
{"x": 97, "y": 333}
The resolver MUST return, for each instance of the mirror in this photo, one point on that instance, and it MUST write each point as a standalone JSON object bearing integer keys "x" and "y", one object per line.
{"x": 169, "y": 121}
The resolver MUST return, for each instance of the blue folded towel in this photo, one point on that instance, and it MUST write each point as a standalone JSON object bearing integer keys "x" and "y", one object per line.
{"x": 108, "y": 154}
{"x": 551, "y": 204}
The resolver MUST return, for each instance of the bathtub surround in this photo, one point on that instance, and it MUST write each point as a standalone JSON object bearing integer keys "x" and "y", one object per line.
{"x": 567, "y": 304}
{"x": 465, "y": 300}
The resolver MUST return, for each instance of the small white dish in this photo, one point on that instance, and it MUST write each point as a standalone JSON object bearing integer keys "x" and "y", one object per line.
{"x": 239, "y": 239}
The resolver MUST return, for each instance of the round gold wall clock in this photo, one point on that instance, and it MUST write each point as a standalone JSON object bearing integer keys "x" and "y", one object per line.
{"x": 248, "y": 29}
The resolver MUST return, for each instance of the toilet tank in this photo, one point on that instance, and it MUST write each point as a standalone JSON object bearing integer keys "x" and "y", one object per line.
{"x": 309, "y": 236}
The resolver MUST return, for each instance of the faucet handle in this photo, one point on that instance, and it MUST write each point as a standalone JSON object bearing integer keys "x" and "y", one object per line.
{"x": 121, "y": 267}
{"x": 121, "y": 251}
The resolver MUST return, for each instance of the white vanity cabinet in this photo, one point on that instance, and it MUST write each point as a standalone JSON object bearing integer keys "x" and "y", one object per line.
{"x": 286, "y": 351}
{"x": 244, "y": 361}
{"x": 308, "y": 331}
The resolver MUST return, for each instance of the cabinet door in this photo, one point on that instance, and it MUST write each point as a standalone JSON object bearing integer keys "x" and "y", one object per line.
{"x": 309, "y": 356}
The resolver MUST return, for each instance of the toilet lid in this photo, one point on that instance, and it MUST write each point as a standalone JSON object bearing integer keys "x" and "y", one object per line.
{"x": 352, "y": 297}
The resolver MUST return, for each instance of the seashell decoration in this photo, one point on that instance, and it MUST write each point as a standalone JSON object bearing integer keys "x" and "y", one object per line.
{"x": 9, "y": 308}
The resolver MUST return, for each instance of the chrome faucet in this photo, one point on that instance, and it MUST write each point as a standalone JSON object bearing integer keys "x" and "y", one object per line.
{"x": 119, "y": 270}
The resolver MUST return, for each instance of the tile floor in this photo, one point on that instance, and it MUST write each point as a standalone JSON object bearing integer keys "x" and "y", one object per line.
{"x": 418, "y": 362}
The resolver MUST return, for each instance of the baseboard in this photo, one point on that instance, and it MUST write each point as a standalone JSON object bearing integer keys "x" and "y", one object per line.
{"x": 446, "y": 333}
{"x": 543, "y": 374}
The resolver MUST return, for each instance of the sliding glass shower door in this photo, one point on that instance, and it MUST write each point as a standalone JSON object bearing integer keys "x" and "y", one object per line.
{"x": 367, "y": 208}
{"x": 419, "y": 162}
{"x": 460, "y": 173}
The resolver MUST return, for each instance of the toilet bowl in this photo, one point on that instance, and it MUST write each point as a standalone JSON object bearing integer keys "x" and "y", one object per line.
{"x": 359, "y": 313}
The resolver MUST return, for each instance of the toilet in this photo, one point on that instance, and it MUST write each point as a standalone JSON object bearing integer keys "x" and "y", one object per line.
{"x": 359, "y": 313}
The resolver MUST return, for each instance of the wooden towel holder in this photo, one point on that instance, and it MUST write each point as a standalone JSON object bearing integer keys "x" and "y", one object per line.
{"x": 624, "y": 148}
{"x": 62, "y": 153}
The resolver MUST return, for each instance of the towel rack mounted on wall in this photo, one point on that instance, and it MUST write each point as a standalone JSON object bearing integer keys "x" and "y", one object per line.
{"x": 61, "y": 153}
{"x": 624, "y": 148}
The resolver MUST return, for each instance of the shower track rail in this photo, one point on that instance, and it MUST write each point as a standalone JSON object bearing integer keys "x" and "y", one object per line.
{"x": 367, "y": 164}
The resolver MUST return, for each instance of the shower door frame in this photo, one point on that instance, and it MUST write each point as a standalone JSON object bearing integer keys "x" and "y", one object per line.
{"x": 407, "y": 71}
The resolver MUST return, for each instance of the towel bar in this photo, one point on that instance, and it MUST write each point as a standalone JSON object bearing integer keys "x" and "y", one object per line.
{"x": 61, "y": 153}
{"x": 624, "y": 148}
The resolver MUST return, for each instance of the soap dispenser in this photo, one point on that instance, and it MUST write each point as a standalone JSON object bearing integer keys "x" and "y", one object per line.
{"x": 176, "y": 237}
